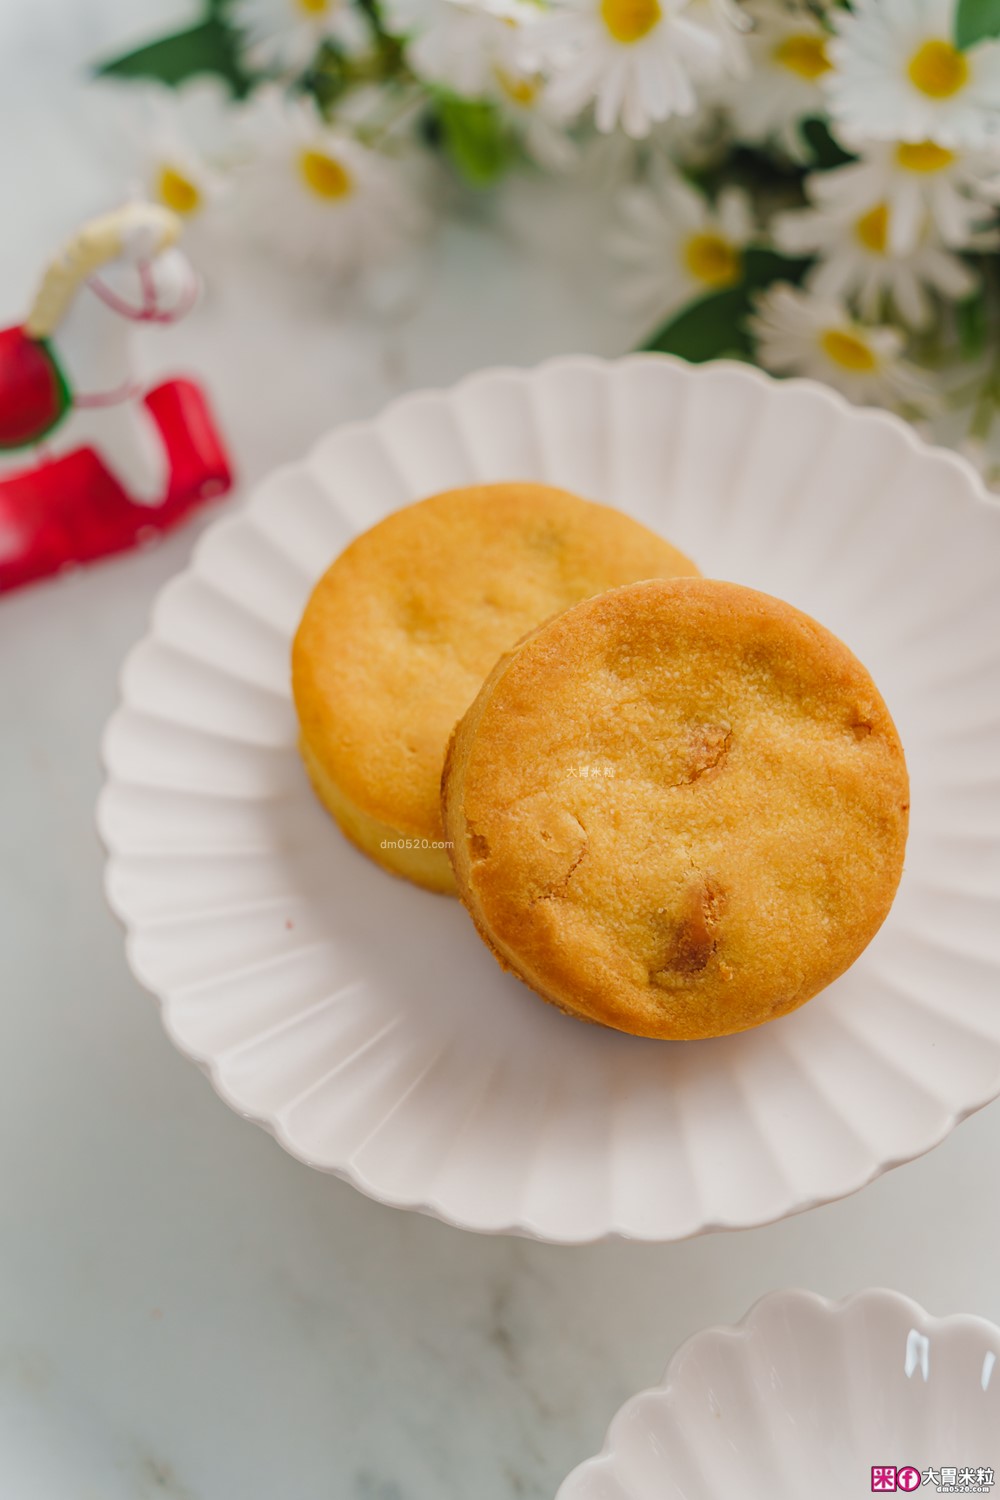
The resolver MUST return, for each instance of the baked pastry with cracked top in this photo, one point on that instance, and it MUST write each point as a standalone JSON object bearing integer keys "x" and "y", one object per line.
{"x": 678, "y": 809}
{"x": 401, "y": 630}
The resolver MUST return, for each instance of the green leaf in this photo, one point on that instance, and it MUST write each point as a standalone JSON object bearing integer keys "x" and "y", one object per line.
{"x": 209, "y": 47}
{"x": 372, "y": 12}
{"x": 825, "y": 151}
{"x": 707, "y": 329}
{"x": 474, "y": 137}
{"x": 328, "y": 77}
{"x": 715, "y": 325}
{"x": 972, "y": 325}
{"x": 976, "y": 19}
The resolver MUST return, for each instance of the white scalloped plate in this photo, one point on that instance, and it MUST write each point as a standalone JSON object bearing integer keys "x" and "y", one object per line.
{"x": 804, "y": 1399}
{"x": 361, "y": 1020}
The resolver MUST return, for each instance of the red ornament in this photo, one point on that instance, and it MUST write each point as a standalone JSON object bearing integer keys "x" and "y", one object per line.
{"x": 33, "y": 394}
{"x": 138, "y": 463}
{"x": 72, "y": 510}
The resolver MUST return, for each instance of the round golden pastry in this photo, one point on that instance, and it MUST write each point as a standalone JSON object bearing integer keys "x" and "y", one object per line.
{"x": 679, "y": 809}
{"x": 401, "y": 630}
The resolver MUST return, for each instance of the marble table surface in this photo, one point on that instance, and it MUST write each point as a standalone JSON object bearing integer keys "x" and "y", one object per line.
{"x": 186, "y": 1312}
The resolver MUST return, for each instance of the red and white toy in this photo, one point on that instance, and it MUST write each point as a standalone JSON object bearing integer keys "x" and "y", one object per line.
{"x": 90, "y": 463}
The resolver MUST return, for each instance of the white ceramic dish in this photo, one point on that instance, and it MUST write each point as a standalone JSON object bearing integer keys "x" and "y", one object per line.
{"x": 807, "y": 1398}
{"x": 361, "y": 1020}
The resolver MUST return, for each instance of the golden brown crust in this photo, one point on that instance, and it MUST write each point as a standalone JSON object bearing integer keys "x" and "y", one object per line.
{"x": 401, "y": 630}
{"x": 678, "y": 809}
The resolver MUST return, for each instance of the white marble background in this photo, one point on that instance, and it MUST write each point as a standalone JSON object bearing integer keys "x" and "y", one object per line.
{"x": 184, "y": 1311}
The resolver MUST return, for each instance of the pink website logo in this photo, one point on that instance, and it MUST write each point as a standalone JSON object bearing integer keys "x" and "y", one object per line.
{"x": 888, "y": 1480}
{"x": 951, "y": 1479}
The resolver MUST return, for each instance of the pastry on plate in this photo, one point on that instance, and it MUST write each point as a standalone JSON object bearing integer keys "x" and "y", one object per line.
{"x": 678, "y": 809}
{"x": 401, "y": 630}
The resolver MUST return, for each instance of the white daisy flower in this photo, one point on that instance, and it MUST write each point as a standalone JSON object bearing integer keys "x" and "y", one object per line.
{"x": 634, "y": 58}
{"x": 677, "y": 246}
{"x": 789, "y": 58}
{"x": 728, "y": 22}
{"x": 525, "y": 103}
{"x": 798, "y": 333}
{"x": 899, "y": 76}
{"x": 286, "y": 34}
{"x": 925, "y": 186}
{"x": 169, "y": 144}
{"x": 315, "y": 194}
{"x": 857, "y": 263}
{"x": 461, "y": 43}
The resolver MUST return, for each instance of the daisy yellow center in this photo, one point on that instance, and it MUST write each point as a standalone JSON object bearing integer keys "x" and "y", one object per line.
{"x": 872, "y": 229}
{"x": 938, "y": 69}
{"x": 803, "y": 54}
{"x": 713, "y": 260}
{"x": 923, "y": 156}
{"x": 313, "y": 7}
{"x": 848, "y": 351}
{"x": 523, "y": 91}
{"x": 630, "y": 20}
{"x": 176, "y": 191}
{"x": 324, "y": 175}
